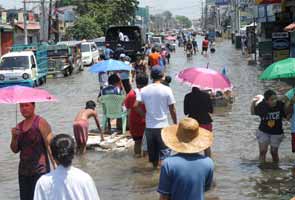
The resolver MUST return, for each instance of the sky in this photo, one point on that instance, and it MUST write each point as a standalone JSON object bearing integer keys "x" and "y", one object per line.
{"x": 189, "y": 8}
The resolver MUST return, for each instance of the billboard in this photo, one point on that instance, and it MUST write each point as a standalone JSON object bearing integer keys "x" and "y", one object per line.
{"x": 280, "y": 45}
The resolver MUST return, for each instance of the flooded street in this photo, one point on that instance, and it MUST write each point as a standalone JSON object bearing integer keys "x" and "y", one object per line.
{"x": 119, "y": 176}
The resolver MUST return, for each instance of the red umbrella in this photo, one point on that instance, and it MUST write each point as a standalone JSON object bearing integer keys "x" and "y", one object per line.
{"x": 205, "y": 79}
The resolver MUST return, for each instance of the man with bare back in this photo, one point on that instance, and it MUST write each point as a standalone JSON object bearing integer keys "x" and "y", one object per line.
{"x": 81, "y": 125}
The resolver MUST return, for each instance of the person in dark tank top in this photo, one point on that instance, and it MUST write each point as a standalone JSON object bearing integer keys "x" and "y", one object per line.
{"x": 31, "y": 138}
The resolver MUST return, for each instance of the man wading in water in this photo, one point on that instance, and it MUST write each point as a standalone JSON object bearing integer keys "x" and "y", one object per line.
{"x": 271, "y": 112}
{"x": 81, "y": 126}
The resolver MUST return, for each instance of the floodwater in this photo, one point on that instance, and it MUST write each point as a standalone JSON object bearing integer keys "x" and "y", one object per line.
{"x": 119, "y": 176}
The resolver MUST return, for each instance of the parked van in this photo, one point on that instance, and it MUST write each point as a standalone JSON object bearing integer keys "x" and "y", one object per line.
{"x": 25, "y": 65}
{"x": 90, "y": 53}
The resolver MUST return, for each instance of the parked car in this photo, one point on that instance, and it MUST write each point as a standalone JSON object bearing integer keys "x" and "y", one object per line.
{"x": 90, "y": 53}
{"x": 25, "y": 65}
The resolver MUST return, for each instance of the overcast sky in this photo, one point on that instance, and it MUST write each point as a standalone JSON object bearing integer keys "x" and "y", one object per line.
{"x": 189, "y": 8}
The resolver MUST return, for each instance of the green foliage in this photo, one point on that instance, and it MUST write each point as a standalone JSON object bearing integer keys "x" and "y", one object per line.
{"x": 108, "y": 12}
{"x": 184, "y": 21}
{"x": 65, "y": 3}
{"x": 84, "y": 28}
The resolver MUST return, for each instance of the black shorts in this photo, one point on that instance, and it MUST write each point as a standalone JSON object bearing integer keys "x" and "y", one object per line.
{"x": 205, "y": 49}
{"x": 157, "y": 150}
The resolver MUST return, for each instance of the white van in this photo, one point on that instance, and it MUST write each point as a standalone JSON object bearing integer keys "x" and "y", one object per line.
{"x": 90, "y": 53}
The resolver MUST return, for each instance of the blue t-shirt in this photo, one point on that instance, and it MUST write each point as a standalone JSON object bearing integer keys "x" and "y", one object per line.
{"x": 290, "y": 94}
{"x": 108, "y": 90}
{"x": 107, "y": 53}
{"x": 186, "y": 176}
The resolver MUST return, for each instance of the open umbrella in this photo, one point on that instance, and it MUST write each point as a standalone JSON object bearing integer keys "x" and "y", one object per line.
{"x": 171, "y": 38}
{"x": 20, "y": 94}
{"x": 110, "y": 65}
{"x": 281, "y": 69}
{"x": 205, "y": 79}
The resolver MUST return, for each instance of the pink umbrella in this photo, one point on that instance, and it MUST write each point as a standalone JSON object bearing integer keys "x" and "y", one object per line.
{"x": 19, "y": 94}
{"x": 205, "y": 79}
{"x": 171, "y": 38}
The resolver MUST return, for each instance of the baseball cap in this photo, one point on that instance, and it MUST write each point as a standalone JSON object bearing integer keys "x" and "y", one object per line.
{"x": 157, "y": 72}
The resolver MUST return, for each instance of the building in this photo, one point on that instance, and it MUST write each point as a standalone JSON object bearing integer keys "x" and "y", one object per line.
{"x": 33, "y": 33}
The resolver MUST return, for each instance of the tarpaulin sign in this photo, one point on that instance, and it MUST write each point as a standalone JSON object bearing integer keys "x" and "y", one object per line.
{"x": 280, "y": 46}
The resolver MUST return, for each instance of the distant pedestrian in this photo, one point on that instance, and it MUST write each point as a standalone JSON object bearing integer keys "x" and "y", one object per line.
{"x": 154, "y": 58}
{"x": 108, "y": 52}
{"x": 205, "y": 45}
{"x": 198, "y": 105}
{"x": 31, "y": 138}
{"x": 81, "y": 126}
{"x": 136, "y": 121}
{"x": 167, "y": 80}
{"x": 158, "y": 100}
{"x": 119, "y": 50}
{"x": 270, "y": 132}
{"x": 186, "y": 175}
{"x": 125, "y": 75}
{"x": 65, "y": 182}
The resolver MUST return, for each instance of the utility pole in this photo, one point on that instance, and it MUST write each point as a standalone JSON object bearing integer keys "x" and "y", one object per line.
{"x": 202, "y": 19}
{"x": 49, "y": 19}
{"x": 56, "y": 35}
{"x": 25, "y": 23}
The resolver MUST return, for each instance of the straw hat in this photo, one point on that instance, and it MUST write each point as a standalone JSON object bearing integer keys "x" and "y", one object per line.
{"x": 187, "y": 137}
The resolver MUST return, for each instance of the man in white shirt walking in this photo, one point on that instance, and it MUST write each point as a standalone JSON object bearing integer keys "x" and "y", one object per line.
{"x": 65, "y": 182}
{"x": 158, "y": 100}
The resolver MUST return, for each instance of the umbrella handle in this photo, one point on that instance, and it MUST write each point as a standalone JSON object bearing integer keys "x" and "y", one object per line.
{"x": 16, "y": 114}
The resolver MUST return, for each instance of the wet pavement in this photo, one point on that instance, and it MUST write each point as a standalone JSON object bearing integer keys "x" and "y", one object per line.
{"x": 119, "y": 176}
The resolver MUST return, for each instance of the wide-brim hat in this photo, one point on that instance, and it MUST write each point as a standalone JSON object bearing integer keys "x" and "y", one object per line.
{"x": 187, "y": 137}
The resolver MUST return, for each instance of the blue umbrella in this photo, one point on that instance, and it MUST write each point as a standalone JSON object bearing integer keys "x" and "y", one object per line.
{"x": 110, "y": 65}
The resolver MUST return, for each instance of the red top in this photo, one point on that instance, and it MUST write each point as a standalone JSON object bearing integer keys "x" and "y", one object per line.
{"x": 136, "y": 122}
{"x": 205, "y": 43}
{"x": 33, "y": 153}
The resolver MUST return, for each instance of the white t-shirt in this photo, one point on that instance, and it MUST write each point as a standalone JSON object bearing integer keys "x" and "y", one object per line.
{"x": 121, "y": 36}
{"x": 66, "y": 184}
{"x": 156, "y": 98}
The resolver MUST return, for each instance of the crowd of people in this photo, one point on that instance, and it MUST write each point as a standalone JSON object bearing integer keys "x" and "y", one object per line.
{"x": 176, "y": 149}
{"x": 148, "y": 106}
{"x": 190, "y": 44}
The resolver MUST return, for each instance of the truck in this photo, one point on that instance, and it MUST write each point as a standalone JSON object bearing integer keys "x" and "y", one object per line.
{"x": 25, "y": 65}
{"x": 75, "y": 55}
{"x": 134, "y": 39}
{"x": 64, "y": 58}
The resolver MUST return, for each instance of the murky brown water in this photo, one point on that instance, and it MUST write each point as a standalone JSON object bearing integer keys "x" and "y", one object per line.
{"x": 119, "y": 176}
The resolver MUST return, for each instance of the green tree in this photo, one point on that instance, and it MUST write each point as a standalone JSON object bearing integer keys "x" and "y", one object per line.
{"x": 108, "y": 12}
{"x": 84, "y": 28}
{"x": 184, "y": 21}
